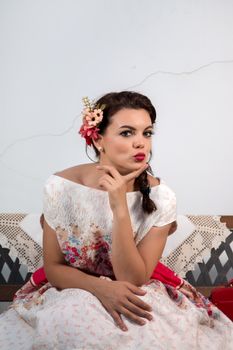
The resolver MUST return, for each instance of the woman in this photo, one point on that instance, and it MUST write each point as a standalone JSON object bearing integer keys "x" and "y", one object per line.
{"x": 105, "y": 228}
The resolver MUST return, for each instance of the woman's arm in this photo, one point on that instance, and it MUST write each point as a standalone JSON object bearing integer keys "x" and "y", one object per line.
{"x": 117, "y": 297}
{"x": 133, "y": 263}
{"x": 130, "y": 263}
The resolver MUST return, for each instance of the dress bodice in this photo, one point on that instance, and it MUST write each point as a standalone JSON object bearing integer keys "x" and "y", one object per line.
{"x": 82, "y": 219}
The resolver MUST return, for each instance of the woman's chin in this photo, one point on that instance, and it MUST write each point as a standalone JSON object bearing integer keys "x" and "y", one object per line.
{"x": 139, "y": 164}
{"x": 131, "y": 167}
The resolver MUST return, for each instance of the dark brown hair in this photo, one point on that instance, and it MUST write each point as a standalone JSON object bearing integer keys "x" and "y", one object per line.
{"x": 114, "y": 102}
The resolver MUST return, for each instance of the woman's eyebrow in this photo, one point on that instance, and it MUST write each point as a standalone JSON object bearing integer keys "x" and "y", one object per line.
{"x": 132, "y": 128}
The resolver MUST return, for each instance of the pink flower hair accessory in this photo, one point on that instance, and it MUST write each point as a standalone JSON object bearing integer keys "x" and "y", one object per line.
{"x": 92, "y": 116}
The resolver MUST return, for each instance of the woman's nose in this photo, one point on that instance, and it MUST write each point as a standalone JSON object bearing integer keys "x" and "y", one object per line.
{"x": 139, "y": 143}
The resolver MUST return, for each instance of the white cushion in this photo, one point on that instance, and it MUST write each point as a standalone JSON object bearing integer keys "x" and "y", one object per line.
{"x": 184, "y": 230}
{"x": 31, "y": 225}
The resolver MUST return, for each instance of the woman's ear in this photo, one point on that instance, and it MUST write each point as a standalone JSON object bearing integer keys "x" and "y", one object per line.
{"x": 98, "y": 143}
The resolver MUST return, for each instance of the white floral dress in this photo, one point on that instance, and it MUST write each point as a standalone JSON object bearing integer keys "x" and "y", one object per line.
{"x": 48, "y": 318}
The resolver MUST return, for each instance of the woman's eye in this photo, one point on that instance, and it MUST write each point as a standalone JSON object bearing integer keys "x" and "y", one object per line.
{"x": 123, "y": 133}
{"x": 149, "y": 133}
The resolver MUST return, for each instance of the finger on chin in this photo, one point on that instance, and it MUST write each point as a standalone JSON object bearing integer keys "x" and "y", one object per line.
{"x": 141, "y": 169}
{"x": 136, "y": 173}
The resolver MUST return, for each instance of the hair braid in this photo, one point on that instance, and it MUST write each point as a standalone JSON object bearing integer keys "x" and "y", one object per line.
{"x": 142, "y": 183}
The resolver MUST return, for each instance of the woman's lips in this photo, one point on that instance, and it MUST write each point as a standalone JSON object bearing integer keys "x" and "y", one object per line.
{"x": 139, "y": 158}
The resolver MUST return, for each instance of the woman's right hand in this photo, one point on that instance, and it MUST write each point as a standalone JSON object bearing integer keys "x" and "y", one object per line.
{"x": 120, "y": 298}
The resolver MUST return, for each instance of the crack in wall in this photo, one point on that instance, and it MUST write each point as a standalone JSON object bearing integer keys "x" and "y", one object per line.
{"x": 23, "y": 139}
{"x": 21, "y": 174}
{"x": 158, "y": 72}
{"x": 163, "y": 72}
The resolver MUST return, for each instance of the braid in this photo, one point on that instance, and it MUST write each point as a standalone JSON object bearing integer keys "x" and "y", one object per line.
{"x": 142, "y": 183}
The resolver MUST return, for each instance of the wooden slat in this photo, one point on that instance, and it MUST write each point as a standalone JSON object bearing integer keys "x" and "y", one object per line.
{"x": 7, "y": 291}
{"x": 228, "y": 219}
{"x": 206, "y": 291}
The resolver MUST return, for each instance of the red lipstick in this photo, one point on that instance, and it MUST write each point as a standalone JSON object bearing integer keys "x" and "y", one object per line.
{"x": 140, "y": 156}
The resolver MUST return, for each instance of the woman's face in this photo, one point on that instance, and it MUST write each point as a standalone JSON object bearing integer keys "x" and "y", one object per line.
{"x": 128, "y": 134}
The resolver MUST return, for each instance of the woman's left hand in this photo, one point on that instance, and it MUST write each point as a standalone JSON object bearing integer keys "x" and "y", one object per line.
{"x": 116, "y": 184}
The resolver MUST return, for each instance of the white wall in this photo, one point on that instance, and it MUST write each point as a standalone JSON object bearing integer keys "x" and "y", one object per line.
{"x": 179, "y": 53}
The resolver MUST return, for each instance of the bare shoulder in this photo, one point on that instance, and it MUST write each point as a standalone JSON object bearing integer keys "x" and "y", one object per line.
{"x": 153, "y": 181}
{"x": 75, "y": 173}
